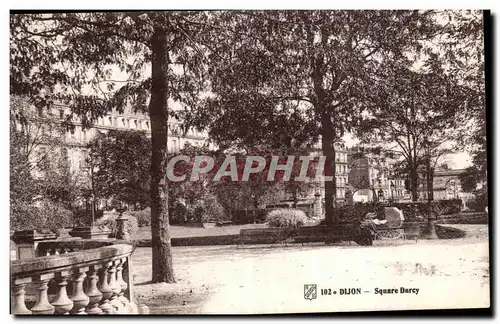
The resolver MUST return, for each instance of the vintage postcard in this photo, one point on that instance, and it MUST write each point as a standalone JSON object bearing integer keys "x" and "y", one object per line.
{"x": 249, "y": 162}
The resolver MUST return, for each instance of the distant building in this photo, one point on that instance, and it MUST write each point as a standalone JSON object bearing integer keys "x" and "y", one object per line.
{"x": 317, "y": 187}
{"x": 75, "y": 143}
{"x": 373, "y": 175}
{"x": 446, "y": 185}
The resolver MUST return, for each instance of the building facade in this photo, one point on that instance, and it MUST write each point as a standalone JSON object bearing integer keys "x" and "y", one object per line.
{"x": 317, "y": 187}
{"x": 446, "y": 185}
{"x": 372, "y": 176}
{"x": 46, "y": 131}
{"x": 77, "y": 141}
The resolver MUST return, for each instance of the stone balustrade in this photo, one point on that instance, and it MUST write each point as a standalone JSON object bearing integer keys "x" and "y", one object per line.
{"x": 89, "y": 281}
{"x": 55, "y": 247}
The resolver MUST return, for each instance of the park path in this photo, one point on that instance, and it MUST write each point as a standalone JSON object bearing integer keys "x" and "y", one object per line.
{"x": 257, "y": 279}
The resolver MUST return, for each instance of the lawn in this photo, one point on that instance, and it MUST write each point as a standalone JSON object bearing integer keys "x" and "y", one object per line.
{"x": 178, "y": 231}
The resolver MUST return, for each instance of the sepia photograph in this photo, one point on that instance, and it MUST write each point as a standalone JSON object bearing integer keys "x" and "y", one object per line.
{"x": 249, "y": 162}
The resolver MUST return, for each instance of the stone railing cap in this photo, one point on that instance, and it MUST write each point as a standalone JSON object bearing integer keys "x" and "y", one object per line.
{"x": 47, "y": 264}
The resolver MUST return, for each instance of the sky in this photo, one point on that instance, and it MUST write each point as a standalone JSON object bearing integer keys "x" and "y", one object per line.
{"x": 460, "y": 160}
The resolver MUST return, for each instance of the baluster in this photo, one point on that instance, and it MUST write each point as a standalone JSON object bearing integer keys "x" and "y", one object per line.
{"x": 122, "y": 283}
{"x": 92, "y": 292}
{"x": 129, "y": 293}
{"x": 62, "y": 303}
{"x": 105, "y": 289}
{"x": 115, "y": 286}
{"x": 80, "y": 300}
{"x": 56, "y": 251}
{"x": 42, "y": 305}
{"x": 18, "y": 293}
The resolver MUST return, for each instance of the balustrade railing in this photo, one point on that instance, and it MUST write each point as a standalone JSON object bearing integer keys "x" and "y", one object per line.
{"x": 89, "y": 281}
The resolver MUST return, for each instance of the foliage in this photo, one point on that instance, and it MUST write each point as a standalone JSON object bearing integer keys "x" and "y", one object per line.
{"x": 54, "y": 59}
{"x": 38, "y": 164}
{"x": 109, "y": 222}
{"x": 480, "y": 201}
{"x": 349, "y": 213}
{"x": 121, "y": 162}
{"x": 49, "y": 215}
{"x": 249, "y": 216}
{"x": 317, "y": 73}
{"x": 325, "y": 60}
{"x": 286, "y": 217}
{"x": 475, "y": 175}
{"x": 207, "y": 209}
{"x": 143, "y": 216}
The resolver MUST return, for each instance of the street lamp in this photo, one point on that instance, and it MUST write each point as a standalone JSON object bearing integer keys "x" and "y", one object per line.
{"x": 90, "y": 168}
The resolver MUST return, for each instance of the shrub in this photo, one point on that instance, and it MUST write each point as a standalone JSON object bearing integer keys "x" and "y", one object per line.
{"x": 48, "y": 215}
{"x": 286, "y": 217}
{"x": 108, "y": 221}
{"x": 143, "y": 217}
{"x": 178, "y": 214}
{"x": 207, "y": 209}
{"x": 82, "y": 217}
{"x": 480, "y": 201}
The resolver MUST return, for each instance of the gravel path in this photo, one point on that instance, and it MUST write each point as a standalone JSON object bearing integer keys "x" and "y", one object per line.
{"x": 262, "y": 279}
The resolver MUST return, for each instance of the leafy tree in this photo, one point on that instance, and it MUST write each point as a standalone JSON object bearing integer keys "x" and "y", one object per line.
{"x": 73, "y": 58}
{"x": 121, "y": 162}
{"x": 418, "y": 112}
{"x": 470, "y": 32}
{"x": 39, "y": 172}
{"x": 304, "y": 73}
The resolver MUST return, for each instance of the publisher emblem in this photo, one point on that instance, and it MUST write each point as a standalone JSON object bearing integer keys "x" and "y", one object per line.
{"x": 310, "y": 291}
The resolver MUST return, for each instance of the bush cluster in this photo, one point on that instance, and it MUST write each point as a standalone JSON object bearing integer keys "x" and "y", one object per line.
{"x": 480, "y": 202}
{"x": 207, "y": 209}
{"x": 143, "y": 216}
{"x": 108, "y": 221}
{"x": 286, "y": 217}
{"x": 45, "y": 215}
{"x": 359, "y": 210}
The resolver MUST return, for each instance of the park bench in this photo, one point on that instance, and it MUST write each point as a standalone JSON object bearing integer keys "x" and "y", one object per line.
{"x": 264, "y": 236}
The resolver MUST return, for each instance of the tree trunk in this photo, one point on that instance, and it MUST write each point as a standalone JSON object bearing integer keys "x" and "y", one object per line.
{"x": 328, "y": 147}
{"x": 414, "y": 184}
{"x": 158, "y": 112}
{"x": 295, "y": 189}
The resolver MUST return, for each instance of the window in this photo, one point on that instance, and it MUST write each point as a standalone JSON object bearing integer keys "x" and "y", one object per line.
{"x": 135, "y": 124}
{"x": 147, "y": 125}
{"x": 61, "y": 113}
{"x": 110, "y": 120}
